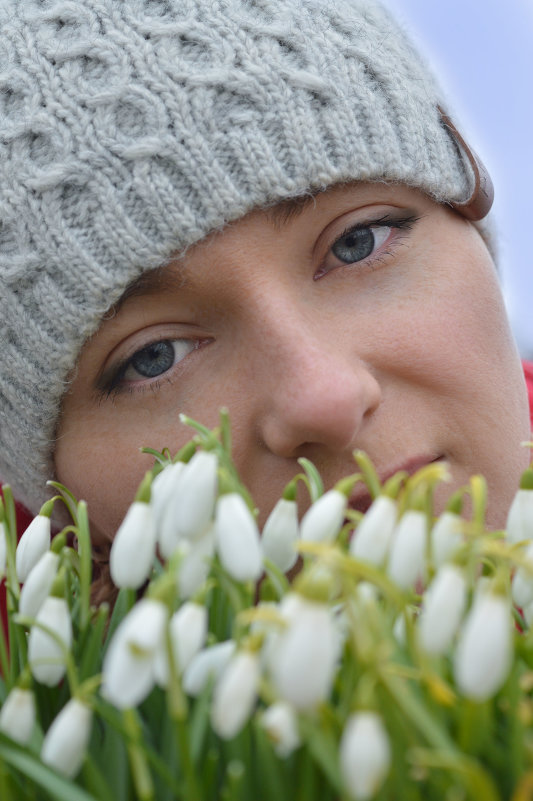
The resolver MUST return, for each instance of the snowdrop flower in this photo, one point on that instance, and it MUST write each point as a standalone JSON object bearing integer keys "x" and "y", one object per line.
{"x": 280, "y": 533}
{"x": 17, "y": 715}
{"x": 46, "y": 657}
{"x": 366, "y": 593}
{"x": 38, "y": 584}
{"x": 522, "y": 584}
{"x": 446, "y": 537}
{"x": 187, "y": 631}
{"x": 163, "y": 489}
{"x": 323, "y": 520}
{"x": 303, "y": 655}
{"x": 484, "y": 650}
{"x": 364, "y": 755}
{"x": 3, "y": 549}
{"x": 133, "y": 548}
{"x": 399, "y": 629}
{"x": 281, "y": 725}
{"x": 207, "y": 664}
{"x": 237, "y": 538}
{"x": 520, "y": 516}
{"x": 195, "y": 563}
{"x": 66, "y": 741}
{"x": 190, "y": 510}
{"x": 128, "y": 671}
{"x": 235, "y": 694}
{"x": 32, "y": 545}
{"x": 372, "y": 536}
{"x": 442, "y": 611}
{"x": 407, "y": 556}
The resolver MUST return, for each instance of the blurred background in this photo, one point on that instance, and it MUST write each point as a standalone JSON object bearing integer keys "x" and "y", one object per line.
{"x": 482, "y": 51}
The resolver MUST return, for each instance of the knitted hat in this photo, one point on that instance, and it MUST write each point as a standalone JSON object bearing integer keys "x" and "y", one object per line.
{"x": 130, "y": 129}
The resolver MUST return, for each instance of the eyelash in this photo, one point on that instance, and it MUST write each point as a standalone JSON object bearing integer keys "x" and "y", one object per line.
{"x": 112, "y": 386}
{"x": 386, "y": 221}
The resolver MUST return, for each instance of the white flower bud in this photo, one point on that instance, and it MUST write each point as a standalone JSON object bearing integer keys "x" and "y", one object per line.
{"x": 38, "y": 584}
{"x": 187, "y": 631}
{"x": 364, "y": 755}
{"x": 162, "y": 492}
{"x": 190, "y": 511}
{"x": 280, "y": 533}
{"x": 366, "y": 593}
{"x": 128, "y": 672}
{"x": 17, "y": 715}
{"x": 133, "y": 548}
{"x": 3, "y": 550}
{"x": 520, "y": 517}
{"x": 32, "y": 545}
{"x": 207, "y": 664}
{"x": 483, "y": 655}
{"x": 235, "y": 694}
{"x": 323, "y": 520}
{"x": 522, "y": 584}
{"x": 407, "y": 556}
{"x": 46, "y": 657}
{"x": 195, "y": 563}
{"x": 303, "y": 655}
{"x": 281, "y": 725}
{"x": 399, "y": 629}
{"x": 442, "y": 611}
{"x": 372, "y": 537}
{"x": 446, "y": 537}
{"x": 66, "y": 741}
{"x": 237, "y": 538}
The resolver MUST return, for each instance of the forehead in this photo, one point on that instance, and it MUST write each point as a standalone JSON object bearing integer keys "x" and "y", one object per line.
{"x": 164, "y": 278}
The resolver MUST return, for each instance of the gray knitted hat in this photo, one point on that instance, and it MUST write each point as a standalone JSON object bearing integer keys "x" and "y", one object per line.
{"x": 130, "y": 129}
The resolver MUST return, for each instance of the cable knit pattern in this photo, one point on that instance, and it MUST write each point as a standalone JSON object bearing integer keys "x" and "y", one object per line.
{"x": 130, "y": 129}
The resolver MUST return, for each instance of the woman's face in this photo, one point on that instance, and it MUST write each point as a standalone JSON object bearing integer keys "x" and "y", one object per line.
{"x": 369, "y": 317}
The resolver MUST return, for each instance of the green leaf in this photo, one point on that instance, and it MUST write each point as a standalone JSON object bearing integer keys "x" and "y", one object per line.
{"x": 314, "y": 482}
{"x": 70, "y": 500}
{"x": 58, "y": 788}
{"x": 123, "y": 604}
{"x": 90, "y": 659}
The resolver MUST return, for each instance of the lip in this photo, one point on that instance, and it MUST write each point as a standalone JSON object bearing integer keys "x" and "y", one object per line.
{"x": 362, "y": 500}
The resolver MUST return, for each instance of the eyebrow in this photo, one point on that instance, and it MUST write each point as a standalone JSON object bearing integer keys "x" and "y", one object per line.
{"x": 286, "y": 210}
{"x": 153, "y": 282}
{"x": 167, "y": 279}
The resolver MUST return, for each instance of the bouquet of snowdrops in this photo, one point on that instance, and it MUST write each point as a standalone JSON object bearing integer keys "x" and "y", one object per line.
{"x": 397, "y": 664}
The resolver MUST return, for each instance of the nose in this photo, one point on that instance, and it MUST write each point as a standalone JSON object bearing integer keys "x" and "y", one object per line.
{"x": 317, "y": 395}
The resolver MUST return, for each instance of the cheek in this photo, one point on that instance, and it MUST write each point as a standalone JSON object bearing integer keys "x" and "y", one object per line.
{"x": 98, "y": 454}
{"x": 102, "y": 468}
{"x": 450, "y": 324}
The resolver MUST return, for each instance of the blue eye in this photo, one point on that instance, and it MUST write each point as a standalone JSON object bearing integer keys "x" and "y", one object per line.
{"x": 153, "y": 360}
{"x": 364, "y": 242}
{"x": 359, "y": 243}
{"x": 156, "y": 359}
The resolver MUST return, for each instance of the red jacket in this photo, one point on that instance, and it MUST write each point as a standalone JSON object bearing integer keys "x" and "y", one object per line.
{"x": 24, "y": 518}
{"x": 528, "y": 372}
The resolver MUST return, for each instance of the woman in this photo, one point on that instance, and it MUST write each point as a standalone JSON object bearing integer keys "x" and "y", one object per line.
{"x": 260, "y": 205}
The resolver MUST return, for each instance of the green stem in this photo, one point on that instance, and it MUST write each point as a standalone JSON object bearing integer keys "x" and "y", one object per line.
{"x": 446, "y": 754}
{"x": 142, "y": 778}
{"x": 312, "y": 479}
{"x": 191, "y": 783}
{"x": 84, "y": 550}
{"x": 4, "y": 656}
{"x": 11, "y": 541}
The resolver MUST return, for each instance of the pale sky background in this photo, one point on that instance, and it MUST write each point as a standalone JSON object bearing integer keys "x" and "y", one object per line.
{"x": 482, "y": 52}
